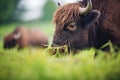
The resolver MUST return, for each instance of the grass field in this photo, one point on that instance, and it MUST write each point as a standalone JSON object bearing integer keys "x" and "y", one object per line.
{"x": 37, "y": 64}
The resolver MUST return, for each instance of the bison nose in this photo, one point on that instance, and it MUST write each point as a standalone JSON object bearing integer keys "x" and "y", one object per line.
{"x": 53, "y": 45}
{"x": 57, "y": 43}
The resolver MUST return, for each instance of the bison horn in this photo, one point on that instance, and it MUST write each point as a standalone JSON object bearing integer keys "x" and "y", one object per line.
{"x": 17, "y": 36}
{"x": 87, "y": 8}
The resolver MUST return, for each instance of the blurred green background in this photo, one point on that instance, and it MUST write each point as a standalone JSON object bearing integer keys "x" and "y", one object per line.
{"x": 26, "y": 10}
{"x": 36, "y": 63}
{"x": 27, "y": 13}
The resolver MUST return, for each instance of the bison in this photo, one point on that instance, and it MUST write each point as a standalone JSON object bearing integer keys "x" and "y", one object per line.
{"x": 23, "y": 37}
{"x": 85, "y": 27}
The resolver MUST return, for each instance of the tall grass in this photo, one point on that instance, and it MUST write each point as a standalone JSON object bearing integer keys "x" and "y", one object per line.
{"x": 36, "y": 64}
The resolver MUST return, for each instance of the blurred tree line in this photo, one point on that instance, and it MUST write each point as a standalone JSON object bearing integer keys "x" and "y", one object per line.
{"x": 48, "y": 10}
{"x": 9, "y": 12}
{"x": 7, "y": 9}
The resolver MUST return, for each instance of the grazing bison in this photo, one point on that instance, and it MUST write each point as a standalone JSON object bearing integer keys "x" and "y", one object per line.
{"x": 23, "y": 37}
{"x": 84, "y": 27}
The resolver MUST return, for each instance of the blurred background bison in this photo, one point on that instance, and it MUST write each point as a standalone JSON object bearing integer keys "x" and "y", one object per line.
{"x": 23, "y": 37}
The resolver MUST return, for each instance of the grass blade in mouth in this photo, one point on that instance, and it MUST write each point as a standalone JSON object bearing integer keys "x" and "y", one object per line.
{"x": 60, "y": 50}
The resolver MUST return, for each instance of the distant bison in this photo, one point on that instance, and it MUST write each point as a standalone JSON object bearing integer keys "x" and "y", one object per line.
{"x": 84, "y": 27}
{"x": 23, "y": 37}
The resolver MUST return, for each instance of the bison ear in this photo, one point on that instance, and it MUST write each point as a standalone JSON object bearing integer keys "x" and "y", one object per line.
{"x": 90, "y": 18}
{"x": 17, "y": 36}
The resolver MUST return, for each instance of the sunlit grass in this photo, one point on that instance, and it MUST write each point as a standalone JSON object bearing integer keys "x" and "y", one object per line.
{"x": 37, "y": 64}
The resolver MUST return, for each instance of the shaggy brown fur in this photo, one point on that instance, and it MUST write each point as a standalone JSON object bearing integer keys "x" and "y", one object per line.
{"x": 110, "y": 17}
{"x": 64, "y": 13}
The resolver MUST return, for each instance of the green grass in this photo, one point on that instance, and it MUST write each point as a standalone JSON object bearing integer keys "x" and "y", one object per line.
{"x": 37, "y": 64}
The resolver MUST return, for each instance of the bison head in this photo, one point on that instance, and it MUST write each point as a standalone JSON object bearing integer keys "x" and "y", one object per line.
{"x": 10, "y": 40}
{"x": 73, "y": 21}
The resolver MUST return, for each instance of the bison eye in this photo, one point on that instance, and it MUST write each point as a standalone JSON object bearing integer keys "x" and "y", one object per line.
{"x": 71, "y": 27}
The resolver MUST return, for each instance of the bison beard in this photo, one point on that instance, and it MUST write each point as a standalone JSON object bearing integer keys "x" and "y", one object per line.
{"x": 90, "y": 29}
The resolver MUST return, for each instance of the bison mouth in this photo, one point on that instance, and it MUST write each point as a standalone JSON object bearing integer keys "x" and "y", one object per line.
{"x": 61, "y": 49}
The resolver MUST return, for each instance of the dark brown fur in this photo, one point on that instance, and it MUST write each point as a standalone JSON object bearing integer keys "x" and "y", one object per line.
{"x": 110, "y": 18}
{"x": 29, "y": 37}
